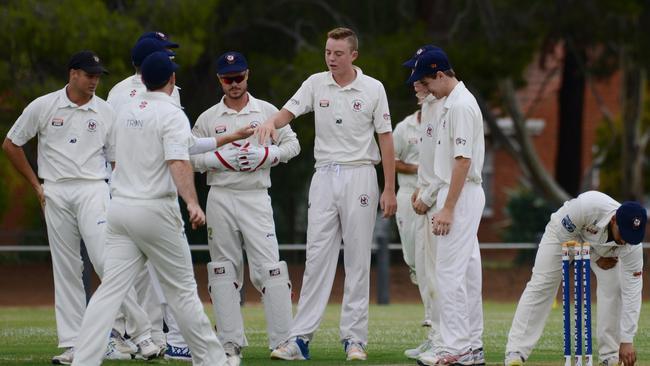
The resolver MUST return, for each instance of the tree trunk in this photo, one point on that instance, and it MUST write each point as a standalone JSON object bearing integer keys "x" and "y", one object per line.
{"x": 568, "y": 164}
{"x": 632, "y": 158}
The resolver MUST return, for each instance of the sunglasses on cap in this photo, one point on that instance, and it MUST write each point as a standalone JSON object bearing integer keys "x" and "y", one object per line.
{"x": 232, "y": 79}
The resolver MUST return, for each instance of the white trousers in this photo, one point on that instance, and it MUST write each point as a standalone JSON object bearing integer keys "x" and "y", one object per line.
{"x": 239, "y": 220}
{"x": 140, "y": 230}
{"x": 76, "y": 210}
{"x": 425, "y": 264}
{"x": 537, "y": 299}
{"x": 458, "y": 273}
{"x": 342, "y": 207}
{"x": 406, "y": 226}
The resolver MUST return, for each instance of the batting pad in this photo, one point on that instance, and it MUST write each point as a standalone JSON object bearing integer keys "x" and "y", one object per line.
{"x": 276, "y": 296}
{"x": 224, "y": 293}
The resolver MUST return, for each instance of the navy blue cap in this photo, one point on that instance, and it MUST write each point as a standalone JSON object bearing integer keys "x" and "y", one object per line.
{"x": 87, "y": 61}
{"x": 147, "y": 46}
{"x": 411, "y": 62}
{"x": 429, "y": 63}
{"x": 157, "y": 68}
{"x": 631, "y": 219}
{"x": 231, "y": 62}
{"x": 159, "y": 36}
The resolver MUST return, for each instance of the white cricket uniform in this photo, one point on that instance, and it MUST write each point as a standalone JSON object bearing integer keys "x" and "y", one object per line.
{"x": 147, "y": 285}
{"x": 458, "y": 260}
{"x": 239, "y": 213}
{"x": 72, "y": 147}
{"x": 583, "y": 219}
{"x": 406, "y": 138}
{"x": 428, "y": 184}
{"x": 145, "y": 223}
{"x": 343, "y": 196}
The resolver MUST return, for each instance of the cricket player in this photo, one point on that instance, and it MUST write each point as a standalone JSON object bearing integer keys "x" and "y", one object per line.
{"x": 73, "y": 126}
{"x": 152, "y": 142}
{"x": 458, "y": 161}
{"x": 349, "y": 107}
{"x": 239, "y": 212}
{"x": 614, "y": 232}
{"x": 147, "y": 285}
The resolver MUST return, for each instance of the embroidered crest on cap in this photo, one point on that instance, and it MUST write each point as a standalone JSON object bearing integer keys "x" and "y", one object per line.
{"x": 96, "y": 59}
{"x": 636, "y": 223}
{"x": 230, "y": 59}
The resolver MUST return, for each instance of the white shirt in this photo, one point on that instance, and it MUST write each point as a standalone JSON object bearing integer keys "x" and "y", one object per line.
{"x": 72, "y": 139}
{"x": 130, "y": 89}
{"x": 406, "y": 138}
{"x": 428, "y": 182}
{"x": 219, "y": 119}
{"x": 586, "y": 219}
{"x": 345, "y": 117}
{"x": 460, "y": 134}
{"x": 149, "y": 132}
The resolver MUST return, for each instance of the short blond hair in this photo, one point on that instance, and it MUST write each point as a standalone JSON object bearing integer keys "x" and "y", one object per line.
{"x": 347, "y": 34}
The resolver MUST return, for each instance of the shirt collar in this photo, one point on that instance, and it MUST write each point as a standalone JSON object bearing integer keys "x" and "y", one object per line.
{"x": 455, "y": 94}
{"x": 252, "y": 106}
{"x": 352, "y": 85}
{"x": 160, "y": 96}
{"x": 65, "y": 102}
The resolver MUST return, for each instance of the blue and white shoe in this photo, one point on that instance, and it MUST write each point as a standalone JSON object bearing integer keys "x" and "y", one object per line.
{"x": 178, "y": 353}
{"x": 294, "y": 349}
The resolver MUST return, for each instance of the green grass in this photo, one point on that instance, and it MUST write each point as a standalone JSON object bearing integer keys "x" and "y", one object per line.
{"x": 28, "y": 336}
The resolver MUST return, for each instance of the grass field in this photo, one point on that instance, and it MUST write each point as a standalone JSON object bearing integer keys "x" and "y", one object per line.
{"x": 28, "y": 336}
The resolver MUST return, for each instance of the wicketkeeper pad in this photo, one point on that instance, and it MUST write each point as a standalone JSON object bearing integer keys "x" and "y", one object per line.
{"x": 276, "y": 296}
{"x": 224, "y": 293}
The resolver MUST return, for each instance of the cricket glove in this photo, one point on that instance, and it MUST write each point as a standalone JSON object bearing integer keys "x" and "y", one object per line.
{"x": 220, "y": 160}
{"x": 254, "y": 158}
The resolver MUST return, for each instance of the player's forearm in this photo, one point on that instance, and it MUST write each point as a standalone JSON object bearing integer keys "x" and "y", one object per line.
{"x": 16, "y": 156}
{"x": 458, "y": 176}
{"x": 203, "y": 144}
{"x": 183, "y": 176}
{"x": 405, "y": 168}
{"x": 387, "y": 160}
{"x": 282, "y": 118}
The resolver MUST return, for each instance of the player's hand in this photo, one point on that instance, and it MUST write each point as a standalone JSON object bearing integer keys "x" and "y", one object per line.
{"x": 40, "y": 193}
{"x": 414, "y": 195}
{"x": 197, "y": 217}
{"x": 254, "y": 157}
{"x": 627, "y": 354}
{"x": 265, "y": 131}
{"x": 442, "y": 220}
{"x": 420, "y": 207}
{"x": 244, "y": 132}
{"x": 607, "y": 262}
{"x": 388, "y": 203}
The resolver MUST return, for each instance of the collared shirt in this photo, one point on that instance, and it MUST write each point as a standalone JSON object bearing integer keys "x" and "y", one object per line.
{"x": 406, "y": 138}
{"x": 586, "y": 219}
{"x": 428, "y": 182}
{"x": 345, "y": 117}
{"x": 130, "y": 89}
{"x": 219, "y": 119}
{"x": 148, "y": 133}
{"x": 460, "y": 134}
{"x": 72, "y": 139}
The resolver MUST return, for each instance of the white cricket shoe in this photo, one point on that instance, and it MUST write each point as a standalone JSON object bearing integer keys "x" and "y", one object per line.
{"x": 233, "y": 353}
{"x": 610, "y": 361}
{"x": 427, "y": 323}
{"x": 413, "y": 353}
{"x": 446, "y": 358}
{"x": 479, "y": 357}
{"x": 355, "y": 351}
{"x": 295, "y": 348}
{"x": 514, "y": 359}
{"x": 122, "y": 344}
{"x": 112, "y": 353}
{"x": 147, "y": 350}
{"x": 65, "y": 358}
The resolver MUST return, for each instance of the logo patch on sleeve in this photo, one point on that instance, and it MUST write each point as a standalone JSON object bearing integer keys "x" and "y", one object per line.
{"x": 568, "y": 224}
{"x": 274, "y": 272}
{"x": 460, "y": 141}
{"x": 220, "y": 270}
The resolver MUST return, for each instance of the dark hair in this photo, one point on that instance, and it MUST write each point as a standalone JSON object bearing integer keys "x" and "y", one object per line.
{"x": 151, "y": 87}
{"x": 450, "y": 73}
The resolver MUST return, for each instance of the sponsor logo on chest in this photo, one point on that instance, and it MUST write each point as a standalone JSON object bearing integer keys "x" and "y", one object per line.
{"x": 324, "y": 103}
{"x": 220, "y": 129}
{"x": 57, "y": 122}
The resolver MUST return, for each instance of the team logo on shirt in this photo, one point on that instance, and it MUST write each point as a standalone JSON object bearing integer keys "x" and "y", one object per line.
{"x": 460, "y": 141}
{"x": 364, "y": 200}
{"x": 568, "y": 224}
{"x": 338, "y": 121}
{"x": 592, "y": 229}
{"x": 387, "y": 116}
{"x": 143, "y": 104}
{"x": 220, "y": 129}
{"x": 274, "y": 272}
{"x": 133, "y": 93}
{"x": 254, "y": 124}
{"x": 92, "y": 125}
{"x": 357, "y": 105}
{"x": 324, "y": 103}
{"x": 429, "y": 130}
{"x": 220, "y": 270}
{"x": 57, "y": 122}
